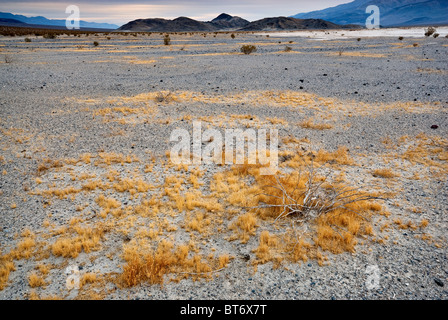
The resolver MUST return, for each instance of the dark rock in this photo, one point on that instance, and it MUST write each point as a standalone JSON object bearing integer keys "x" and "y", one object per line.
{"x": 438, "y": 282}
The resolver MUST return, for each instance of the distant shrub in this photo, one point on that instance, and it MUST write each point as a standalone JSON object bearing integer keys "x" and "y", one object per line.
{"x": 27, "y": 40}
{"x": 287, "y": 49}
{"x": 359, "y": 39}
{"x": 8, "y": 58}
{"x": 248, "y": 49}
{"x": 435, "y": 35}
{"x": 429, "y": 31}
{"x": 415, "y": 44}
{"x": 95, "y": 43}
{"x": 400, "y": 38}
{"x": 167, "y": 40}
{"x": 232, "y": 36}
{"x": 49, "y": 36}
{"x": 108, "y": 38}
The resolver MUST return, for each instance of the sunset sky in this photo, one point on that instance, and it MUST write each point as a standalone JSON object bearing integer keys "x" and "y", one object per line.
{"x": 120, "y": 12}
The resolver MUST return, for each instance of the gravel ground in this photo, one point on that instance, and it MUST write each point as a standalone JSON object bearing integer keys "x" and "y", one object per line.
{"x": 52, "y": 93}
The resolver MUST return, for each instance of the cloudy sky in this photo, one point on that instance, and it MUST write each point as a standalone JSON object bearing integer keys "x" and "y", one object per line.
{"x": 120, "y": 12}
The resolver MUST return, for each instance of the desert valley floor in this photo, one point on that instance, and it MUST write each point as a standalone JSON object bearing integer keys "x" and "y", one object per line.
{"x": 92, "y": 208}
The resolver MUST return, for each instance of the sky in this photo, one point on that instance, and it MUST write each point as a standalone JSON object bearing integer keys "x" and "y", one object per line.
{"x": 120, "y": 12}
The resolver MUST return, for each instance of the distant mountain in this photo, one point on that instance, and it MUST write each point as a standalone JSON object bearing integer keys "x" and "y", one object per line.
{"x": 11, "y": 22}
{"x": 392, "y": 12}
{"x": 42, "y": 21}
{"x": 286, "y": 23}
{"x": 165, "y": 25}
{"x": 222, "y": 22}
{"x": 225, "y": 21}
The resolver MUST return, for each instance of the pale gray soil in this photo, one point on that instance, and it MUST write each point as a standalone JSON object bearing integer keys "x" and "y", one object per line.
{"x": 38, "y": 88}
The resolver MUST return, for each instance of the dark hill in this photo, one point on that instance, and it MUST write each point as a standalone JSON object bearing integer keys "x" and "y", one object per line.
{"x": 286, "y": 23}
{"x": 226, "y": 21}
{"x": 164, "y": 25}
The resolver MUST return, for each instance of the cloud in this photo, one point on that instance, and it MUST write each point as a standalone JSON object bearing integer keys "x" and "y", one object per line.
{"x": 120, "y": 12}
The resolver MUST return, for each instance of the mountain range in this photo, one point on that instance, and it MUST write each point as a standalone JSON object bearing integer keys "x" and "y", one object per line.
{"x": 222, "y": 22}
{"x": 226, "y": 22}
{"x": 11, "y": 19}
{"x": 393, "y": 13}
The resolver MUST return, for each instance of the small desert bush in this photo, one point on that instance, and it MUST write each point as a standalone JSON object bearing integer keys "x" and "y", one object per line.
{"x": 400, "y": 38}
{"x": 163, "y": 97}
{"x": 49, "y": 36}
{"x": 430, "y": 31}
{"x": 306, "y": 195}
{"x": 27, "y": 40}
{"x": 95, "y": 43}
{"x": 232, "y": 36}
{"x": 248, "y": 49}
{"x": 435, "y": 35}
{"x": 415, "y": 44}
{"x": 167, "y": 40}
{"x": 287, "y": 49}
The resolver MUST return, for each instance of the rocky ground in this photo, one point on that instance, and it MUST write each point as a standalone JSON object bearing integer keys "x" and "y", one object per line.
{"x": 86, "y": 182}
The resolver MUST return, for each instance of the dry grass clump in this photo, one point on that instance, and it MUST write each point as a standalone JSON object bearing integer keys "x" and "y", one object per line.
{"x": 48, "y": 164}
{"x": 6, "y": 267}
{"x": 25, "y": 247}
{"x": 309, "y": 124}
{"x": 384, "y": 173}
{"x": 88, "y": 278}
{"x": 166, "y": 259}
{"x": 244, "y": 227}
{"x": 267, "y": 245}
{"x": 109, "y": 205}
{"x": 34, "y": 296}
{"x": 430, "y": 151}
{"x": 85, "y": 238}
{"x": 34, "y": 280}
{"x": 199, "y": 222}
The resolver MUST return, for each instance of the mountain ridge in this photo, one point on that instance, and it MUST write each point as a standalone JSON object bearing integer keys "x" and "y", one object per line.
{"x": 226, "y": 22}
{"x": 42, "y": 21}
{"x": 393, "y": 13}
